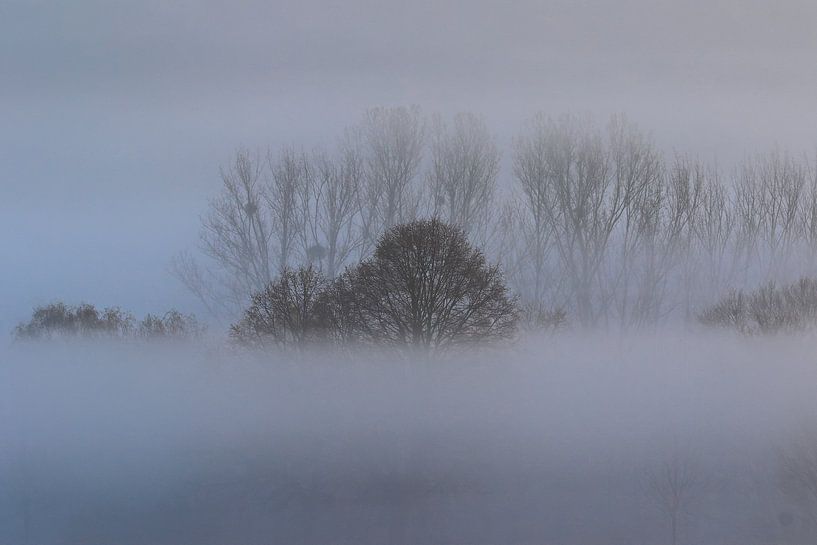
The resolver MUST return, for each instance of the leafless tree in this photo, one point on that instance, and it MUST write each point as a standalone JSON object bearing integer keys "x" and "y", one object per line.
{"x": 770, "y": 195}
{"x": 766, "y": 310}
{"x": 809, "y": 214}
{"x": 644, "y": 240}
{"x": 673, "y": 487}
{"x": 172, "y": 325}
{"x": 715, "y": 257}
{"x": 236, "y": 236}
{"x": 597, "y": 223}
{"x": 531, "y": 169}
{"x": 426, "y": 288}
{"x": 290, "y": 176}
{"x": 335, "y": 201}
{"x": 285, "y": 313}
{"x": 578, "y": 184}
{"x": 462, "y": 177}
{"x": 391, "y": 141}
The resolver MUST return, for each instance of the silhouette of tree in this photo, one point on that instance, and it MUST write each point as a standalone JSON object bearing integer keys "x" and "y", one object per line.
{"x": 285, "y": 313}
{"x": 427, "y": 287}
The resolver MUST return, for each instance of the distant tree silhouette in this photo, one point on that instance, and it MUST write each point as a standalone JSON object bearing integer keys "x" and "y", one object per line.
{"x": 58, "y": 320}
{"x": 769, "y": 309}
{"x": 173, "y": 325}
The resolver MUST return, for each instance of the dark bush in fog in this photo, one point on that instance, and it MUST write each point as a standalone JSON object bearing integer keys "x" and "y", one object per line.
{"x": 58, "y": 320}
{"x": 769, "y": 309}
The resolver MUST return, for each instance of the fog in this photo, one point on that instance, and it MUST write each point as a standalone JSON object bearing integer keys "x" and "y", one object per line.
{"x": 555, "y": 440}
{"x": 633, "y": 424}
{"x": 116, "y": 116}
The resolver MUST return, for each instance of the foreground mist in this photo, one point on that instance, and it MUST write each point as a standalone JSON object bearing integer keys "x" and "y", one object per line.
{"x": 559, "y": 440}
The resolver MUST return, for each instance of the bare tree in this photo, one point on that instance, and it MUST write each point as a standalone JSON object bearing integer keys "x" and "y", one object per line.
{"x": 673, "y": 487}
{"x": 283, "y": 314}
{"x": 236, "y": 235}
{"x": 770, "y": 196}
{"x": 171, "y": 325}
{"x": 531, "y": 169}
{"x": 597, "y": 223}
{"x": 809, "y": 215}
{"x": 336, "y": 197}
{"x": 644, "y": 240}
{"x": 462, "y": 178}
{"x": 766, "y": 310}
{"x": 715, "y": 257}
{"x": 579, "y": 183}
{"x": 426, "y": 288}
{"x": 391, "y": 140}
{"x": 286, "y": 204}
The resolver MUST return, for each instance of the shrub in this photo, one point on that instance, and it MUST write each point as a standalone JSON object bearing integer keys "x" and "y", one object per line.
{"x": 769, "y": 309}
{"x": 173, "y": 325}
{"x": 58, "y": 320}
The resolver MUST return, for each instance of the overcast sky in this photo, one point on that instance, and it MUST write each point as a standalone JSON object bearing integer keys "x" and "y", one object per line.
{"x": 115, "y": 115}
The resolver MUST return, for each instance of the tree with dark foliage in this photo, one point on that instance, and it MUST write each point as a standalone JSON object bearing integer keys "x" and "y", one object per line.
{"x": 285, "y": 313}
{"x": 426, "y": 287}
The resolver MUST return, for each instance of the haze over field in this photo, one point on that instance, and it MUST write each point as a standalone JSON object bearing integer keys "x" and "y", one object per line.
{"x": 551, "y": 442}
{"x": 429, "y": 272}
{"x": 116, "y": 116}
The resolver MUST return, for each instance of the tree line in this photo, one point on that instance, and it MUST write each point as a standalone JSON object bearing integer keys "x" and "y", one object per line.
{"x": 60, "y": 321}
{"x": 424, "y": 289}
{"x": 594, "y": 220}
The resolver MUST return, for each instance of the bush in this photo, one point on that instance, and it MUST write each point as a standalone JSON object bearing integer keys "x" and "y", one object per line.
{"x": 58, "y": 320}
{"x": 173, "y": 325}
{"x": 769, "y": 309}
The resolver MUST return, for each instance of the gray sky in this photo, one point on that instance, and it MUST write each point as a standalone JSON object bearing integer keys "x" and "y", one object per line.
{"x": 114, "y": 115}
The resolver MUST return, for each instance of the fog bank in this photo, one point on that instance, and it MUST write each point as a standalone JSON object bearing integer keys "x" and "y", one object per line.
{"x": 554, "y": 441}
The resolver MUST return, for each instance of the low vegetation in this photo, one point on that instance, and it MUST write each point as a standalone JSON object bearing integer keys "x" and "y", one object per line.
{"x": 769, "y": 309}
{"x": 58, "y": 320}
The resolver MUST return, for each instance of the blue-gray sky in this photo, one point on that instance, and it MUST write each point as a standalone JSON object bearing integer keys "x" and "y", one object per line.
{"x": 114, "y": 115}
